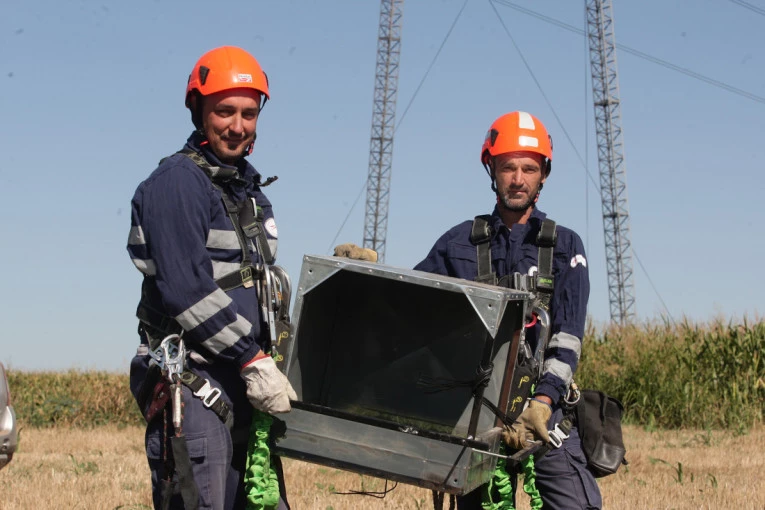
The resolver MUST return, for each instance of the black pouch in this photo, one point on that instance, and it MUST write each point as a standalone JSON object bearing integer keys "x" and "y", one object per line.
{"x": 599, "y": 419}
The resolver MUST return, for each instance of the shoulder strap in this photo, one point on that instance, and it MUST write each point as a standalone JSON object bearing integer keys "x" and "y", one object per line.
{"x": 545, "y": 282}
{"x": 480, "y": 236}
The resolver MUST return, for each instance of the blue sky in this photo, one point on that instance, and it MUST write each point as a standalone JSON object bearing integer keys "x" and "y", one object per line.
{"x": 91, "y": 95}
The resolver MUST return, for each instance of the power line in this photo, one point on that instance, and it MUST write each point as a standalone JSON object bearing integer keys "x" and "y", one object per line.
{"x": 549, "y": 104}
{"x": 401, "y": 119}
{"x": 747, "y": 5}
{"x": 342, "y": 225}
{"x": 640, "y": 54}
{"x": 544, "y": 96}
{"x": 432, "y": 62}
{"x": 648, "y": 277}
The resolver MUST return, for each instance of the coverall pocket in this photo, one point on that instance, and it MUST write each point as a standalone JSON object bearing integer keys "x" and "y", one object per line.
{"x": 578, "y": 462}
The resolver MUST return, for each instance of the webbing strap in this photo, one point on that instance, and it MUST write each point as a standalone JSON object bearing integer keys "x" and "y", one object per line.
{"x": 186, "y": 483}
{"x": 480, "y": 236}
{"x": 545, "y": 281}
{"x": 246, "y": 218}
{"x": 196, "y": 383}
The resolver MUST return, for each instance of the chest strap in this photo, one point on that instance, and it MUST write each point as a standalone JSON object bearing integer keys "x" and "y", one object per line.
{"x": 480, "y": 236}
{"x": 542, "y": 283}
{"x": 247, "y": 219}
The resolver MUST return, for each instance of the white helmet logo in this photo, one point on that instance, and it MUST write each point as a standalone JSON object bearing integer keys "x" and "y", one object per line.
{"x": 244, "y": 78}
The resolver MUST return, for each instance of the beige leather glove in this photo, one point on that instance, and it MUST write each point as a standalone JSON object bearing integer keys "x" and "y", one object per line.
{"x": 351, "y": 251}
{"x": 530, "y": 426}
{"x": 268, "y": 389}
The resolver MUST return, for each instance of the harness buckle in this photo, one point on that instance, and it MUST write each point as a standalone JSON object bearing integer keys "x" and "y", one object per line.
{"x": 208, "y": 394}
{"x": 557, "y": 436}
{"x": 246, "y": 274}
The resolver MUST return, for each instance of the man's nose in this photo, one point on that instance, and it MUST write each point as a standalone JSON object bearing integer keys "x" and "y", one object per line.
{"x": 237, "y": 126}
{"x": 516, "y": 177}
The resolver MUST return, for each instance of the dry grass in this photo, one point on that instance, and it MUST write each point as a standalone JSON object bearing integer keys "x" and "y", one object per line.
{"x": 105, "y": 468}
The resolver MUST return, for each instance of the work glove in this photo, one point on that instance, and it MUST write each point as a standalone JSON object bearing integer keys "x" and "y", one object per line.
{"x": 530, "y": 426}
{"x": 268, "y": 389}
{"x": 351, "y": 251}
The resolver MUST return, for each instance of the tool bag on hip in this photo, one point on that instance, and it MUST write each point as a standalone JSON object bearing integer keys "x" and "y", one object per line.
{"x": 599, "y": 420}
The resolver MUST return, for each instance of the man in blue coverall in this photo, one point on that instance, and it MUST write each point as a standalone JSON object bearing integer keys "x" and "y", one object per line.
{"x": 517, "y": 155}
{"x": 200, "y": 234}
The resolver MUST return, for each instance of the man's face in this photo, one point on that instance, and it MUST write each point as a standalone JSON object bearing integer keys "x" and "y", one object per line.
{"x": 229, "y": 119}
{"x": 519, "y": 176}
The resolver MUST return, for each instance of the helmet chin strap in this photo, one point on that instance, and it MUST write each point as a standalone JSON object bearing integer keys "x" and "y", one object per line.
{"x": 248, "y": 151}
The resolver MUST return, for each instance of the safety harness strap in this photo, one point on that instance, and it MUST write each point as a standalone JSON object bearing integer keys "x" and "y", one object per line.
{"x": 186, "y": 483}
{"x": 210, "y": 396}
{"x": 480, "y": 236}
{"x": 542, "y": 283}
{"x": 247, "y": 217}
{"x": 544, "y": 280}
{"x": 247, "y": 220}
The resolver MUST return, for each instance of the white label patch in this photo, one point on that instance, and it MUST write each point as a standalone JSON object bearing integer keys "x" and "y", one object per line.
{"x": 244, "y": 78}
{"x": 578, "y": 259}
{"x": 270, "y": 225}
{"x": 533, "y": 270}
{"x": 528, "y": 141}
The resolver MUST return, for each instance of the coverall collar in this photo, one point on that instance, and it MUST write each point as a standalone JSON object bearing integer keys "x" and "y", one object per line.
{"x": 534, "y": 222}
{"x": 244, "y": 170}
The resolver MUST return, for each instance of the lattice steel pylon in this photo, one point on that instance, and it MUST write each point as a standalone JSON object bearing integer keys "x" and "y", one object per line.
{"x": 383, "y": 126}
{"x": 613, "y": 183}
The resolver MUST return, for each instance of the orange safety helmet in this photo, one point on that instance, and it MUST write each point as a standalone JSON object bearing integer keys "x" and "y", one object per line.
{"x": 224, "y": 68}
{"x": 517, "y": 131}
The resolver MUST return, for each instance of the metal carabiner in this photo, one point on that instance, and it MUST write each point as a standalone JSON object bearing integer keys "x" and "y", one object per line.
{"x": 166, "y": 350}
{"x": 573, "y": 395}
{"x": 175, "y": 357}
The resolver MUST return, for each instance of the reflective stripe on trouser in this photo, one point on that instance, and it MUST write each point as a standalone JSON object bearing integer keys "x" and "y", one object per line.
{"x": 217, "y": 455}
{"x": 563, "y": 480}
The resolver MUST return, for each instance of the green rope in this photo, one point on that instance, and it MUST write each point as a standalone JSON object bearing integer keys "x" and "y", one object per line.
{"x": 503, "y": 484}
{"x": 530, "y": 483}
{"x": 501, "y": 481}
{"x": 260, "y": 481}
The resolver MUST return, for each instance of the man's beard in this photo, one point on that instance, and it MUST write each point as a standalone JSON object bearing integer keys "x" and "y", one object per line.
{"x": 517, "y": 207}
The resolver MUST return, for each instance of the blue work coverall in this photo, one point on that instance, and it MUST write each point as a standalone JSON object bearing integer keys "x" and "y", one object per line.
{"x": 182, "y": 240}
{"x": 562, "y": 477}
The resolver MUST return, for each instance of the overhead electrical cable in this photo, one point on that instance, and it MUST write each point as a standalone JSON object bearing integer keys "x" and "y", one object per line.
{"x": 544, "y": 96}
{"x": 549, "y": 104}
{"x": 401, "y": 119}
{"x": 640, "y": 54}
{"x": 747, "y": 5}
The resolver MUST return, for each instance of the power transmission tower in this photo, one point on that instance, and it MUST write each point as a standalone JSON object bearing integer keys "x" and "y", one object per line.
{"x": 613, "y": 183}
{"x": 383, "y": 123}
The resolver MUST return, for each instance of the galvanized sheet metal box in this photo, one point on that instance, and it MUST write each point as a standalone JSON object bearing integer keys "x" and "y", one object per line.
{"x": 383, "y": 361}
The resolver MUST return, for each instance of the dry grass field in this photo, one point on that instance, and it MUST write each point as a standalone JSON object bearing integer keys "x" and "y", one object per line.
{"x": 105, "y": 469}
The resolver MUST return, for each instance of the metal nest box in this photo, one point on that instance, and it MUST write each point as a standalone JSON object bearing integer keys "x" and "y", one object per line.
{"x": 387, "y": 364}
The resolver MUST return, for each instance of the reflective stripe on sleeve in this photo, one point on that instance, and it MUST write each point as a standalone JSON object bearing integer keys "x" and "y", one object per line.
{"x": 147, "y": 266}
{"x": 563, "y": 340}
{"x": 558, "y": 369}
{"x": 203, "y": 309}
{"x": 136, "y": 236}
{"x": 228, "y": 336}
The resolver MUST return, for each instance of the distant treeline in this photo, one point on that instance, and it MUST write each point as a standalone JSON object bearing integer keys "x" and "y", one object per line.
{"x": 667, "y": 376}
